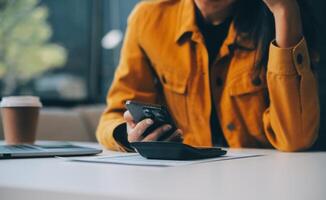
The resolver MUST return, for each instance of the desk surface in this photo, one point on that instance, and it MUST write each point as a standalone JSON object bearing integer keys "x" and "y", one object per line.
{"x": 275, "y": 175}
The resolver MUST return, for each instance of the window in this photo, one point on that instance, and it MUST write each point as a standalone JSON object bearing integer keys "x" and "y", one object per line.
{"x": 54, "y": 49}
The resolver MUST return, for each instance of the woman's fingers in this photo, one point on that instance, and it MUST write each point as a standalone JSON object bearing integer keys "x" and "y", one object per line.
{"x": 129, "y": 119}
{"x": 135, "y": 134}
{"x": 176, "y": 136}
{"x": 135, "y": 131}
{"x": 157, "y": 133}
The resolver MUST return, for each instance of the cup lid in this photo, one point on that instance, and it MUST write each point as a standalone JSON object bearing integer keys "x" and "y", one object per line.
{"x": 20, "y": 101}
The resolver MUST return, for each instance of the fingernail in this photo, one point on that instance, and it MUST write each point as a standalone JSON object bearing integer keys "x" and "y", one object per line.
{"x": 166, "y": 128}
{"x": 149, "y": 121}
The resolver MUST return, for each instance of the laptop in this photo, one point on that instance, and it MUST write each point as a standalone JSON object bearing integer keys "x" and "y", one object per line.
{"x": 45, "y": 149}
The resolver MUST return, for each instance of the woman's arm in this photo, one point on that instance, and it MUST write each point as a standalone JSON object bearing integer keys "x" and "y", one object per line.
{"x": 287, "y": 21}
{"x": 292, "y": 120}
{"x": 133, "y": 80}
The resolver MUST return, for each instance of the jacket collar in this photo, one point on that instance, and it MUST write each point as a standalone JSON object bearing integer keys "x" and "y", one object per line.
{"x": 186, "y": 26}
{"x": 186, "y": 22}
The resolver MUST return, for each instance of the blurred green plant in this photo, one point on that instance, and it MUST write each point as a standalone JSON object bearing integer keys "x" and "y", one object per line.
{"x": 25, "y": 50}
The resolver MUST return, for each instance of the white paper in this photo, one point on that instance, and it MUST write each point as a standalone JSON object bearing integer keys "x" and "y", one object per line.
{"x": 136, "y": 159}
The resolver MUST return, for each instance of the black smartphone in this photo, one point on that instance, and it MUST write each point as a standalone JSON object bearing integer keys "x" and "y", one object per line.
{"x": 158, "y": 113}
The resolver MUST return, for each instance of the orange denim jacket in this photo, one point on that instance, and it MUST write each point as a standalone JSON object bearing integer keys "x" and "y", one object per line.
{"x": 164, "y": 60}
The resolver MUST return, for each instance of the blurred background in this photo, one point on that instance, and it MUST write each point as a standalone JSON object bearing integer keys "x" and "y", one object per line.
{"x": 58, "y": 49}
{"x": 66, "y": 51}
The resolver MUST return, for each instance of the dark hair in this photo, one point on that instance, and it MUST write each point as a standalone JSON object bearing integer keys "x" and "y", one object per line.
{"x": 254, "y": 21}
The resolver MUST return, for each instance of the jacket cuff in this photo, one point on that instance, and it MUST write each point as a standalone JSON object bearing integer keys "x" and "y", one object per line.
{"x": 120, "y": 137}
{"x": 289, "y": 61}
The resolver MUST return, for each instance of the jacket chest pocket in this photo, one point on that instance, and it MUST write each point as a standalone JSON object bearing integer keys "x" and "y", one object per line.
{"x": 175, "y": 85}
{"x": 249, "y": 99}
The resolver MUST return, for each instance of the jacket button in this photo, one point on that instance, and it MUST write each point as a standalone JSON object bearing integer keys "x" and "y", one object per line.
{"x": 299, "y": 58}
{"x": 230, "y": 127}
{"x": 256, "y": 81}
{"x": 219, "y": 81}
{"x": 163, "y": 79}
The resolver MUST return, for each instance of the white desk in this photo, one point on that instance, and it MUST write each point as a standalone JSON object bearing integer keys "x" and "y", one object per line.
{"x": 273, "y": 176}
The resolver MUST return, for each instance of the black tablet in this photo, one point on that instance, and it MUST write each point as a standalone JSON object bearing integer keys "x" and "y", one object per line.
{"x": 175, "y": 151}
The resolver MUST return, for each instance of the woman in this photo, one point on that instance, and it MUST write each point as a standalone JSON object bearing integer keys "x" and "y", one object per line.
{"x": 231, "y": 72}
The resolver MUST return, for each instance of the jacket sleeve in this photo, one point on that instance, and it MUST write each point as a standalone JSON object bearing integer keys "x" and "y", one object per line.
{"x": 133, "y": 80}
{"x": 291, "y": 122}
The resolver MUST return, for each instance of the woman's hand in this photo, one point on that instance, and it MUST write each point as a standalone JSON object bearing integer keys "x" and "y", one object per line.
{"x": 135, "y": 131}
{"x": 287, "y": 21}
{"x": 276, "y": 5}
